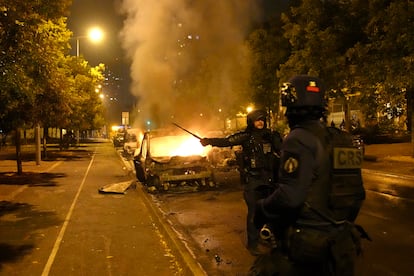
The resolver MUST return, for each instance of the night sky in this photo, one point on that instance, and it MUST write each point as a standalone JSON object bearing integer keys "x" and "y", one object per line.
{"x": 104, "y": 14}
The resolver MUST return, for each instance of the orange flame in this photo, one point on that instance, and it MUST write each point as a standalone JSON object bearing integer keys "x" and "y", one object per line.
{"x": 183, "y": 145}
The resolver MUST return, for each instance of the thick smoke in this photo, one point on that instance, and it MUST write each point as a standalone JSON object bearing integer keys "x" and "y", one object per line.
{"x": 189, "y": 57}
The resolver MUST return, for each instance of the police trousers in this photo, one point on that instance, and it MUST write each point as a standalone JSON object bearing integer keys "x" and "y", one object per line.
{"x": 332, "y": 255}
{"x": 256, "y": 188}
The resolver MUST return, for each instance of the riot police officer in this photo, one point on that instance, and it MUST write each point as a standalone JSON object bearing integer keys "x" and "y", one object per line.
{"x": 310, "y": 238}
{"x": 257, "y": 165}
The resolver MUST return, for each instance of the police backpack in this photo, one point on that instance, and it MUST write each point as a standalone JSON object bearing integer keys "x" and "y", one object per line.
{"x": 347, "y": 191}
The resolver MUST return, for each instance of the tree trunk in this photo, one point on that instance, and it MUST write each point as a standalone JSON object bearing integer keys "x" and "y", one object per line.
{"x": 18, "y": 151}
{"x": 347, "y": 115}
{"x": 410, "y": 116}
{"x": 45, "y": 135}
{"x": 60, "y": 139}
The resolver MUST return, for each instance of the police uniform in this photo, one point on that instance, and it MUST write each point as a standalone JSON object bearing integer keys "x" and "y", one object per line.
{"x": 257, "y": 165}
{"x": 299, "y": 208}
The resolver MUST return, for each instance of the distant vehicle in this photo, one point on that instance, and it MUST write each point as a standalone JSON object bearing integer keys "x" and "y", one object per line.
{"x": 166, "y": 162}
{"x": 68, "y": 139}
{"x": 118, "y": 139}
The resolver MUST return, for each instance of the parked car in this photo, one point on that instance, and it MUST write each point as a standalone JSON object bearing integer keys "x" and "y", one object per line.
{"x": 166, "y": 162}
{"x": 119, "y": 139}
{"x": 130, "y": 144}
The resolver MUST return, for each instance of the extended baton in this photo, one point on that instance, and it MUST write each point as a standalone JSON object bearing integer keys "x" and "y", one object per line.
{"x": 195, "y": 135}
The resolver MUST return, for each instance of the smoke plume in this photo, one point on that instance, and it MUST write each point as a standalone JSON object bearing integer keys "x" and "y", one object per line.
{"x": 188, "y": 57}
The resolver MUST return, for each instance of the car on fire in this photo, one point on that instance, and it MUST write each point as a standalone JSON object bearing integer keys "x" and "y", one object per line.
{"x": 167, "y": 161}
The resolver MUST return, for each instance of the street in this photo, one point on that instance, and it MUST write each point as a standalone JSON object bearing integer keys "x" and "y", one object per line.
{"x": 60, "y": 224}
{"x": 387, "y": 216}
{"x": 215, "y": 222}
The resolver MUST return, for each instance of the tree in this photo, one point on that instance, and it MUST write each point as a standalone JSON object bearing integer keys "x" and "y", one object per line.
{"x": 321, "y": 34}
{"x": 38, "y": 79}
{"x": 85, "y": 105}
{"x": 18, "y": 88}
{"x": 390, "y": 49}
{"x": 269, "y": 49}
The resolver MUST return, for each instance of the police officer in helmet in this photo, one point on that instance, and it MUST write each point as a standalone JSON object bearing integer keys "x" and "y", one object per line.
{"x": 299, "y": 208}
{"x": 257, "y": 165}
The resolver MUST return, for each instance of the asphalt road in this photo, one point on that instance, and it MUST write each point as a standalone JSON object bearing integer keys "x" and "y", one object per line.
{"x": 61, "y": 225}
{"x": 58, "y": 223}
{"x": 213, "y": 222}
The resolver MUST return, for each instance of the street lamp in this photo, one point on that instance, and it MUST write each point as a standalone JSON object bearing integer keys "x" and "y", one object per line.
{"x": 94, "y": 34}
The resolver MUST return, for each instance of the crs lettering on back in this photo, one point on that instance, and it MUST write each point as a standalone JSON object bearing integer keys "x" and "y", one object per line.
{"x": 347, "y": 158}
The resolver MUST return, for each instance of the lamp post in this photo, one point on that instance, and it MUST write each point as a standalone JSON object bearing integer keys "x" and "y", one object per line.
{"x": 94, "y": 34}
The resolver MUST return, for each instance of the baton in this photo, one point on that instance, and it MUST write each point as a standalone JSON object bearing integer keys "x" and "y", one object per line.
{"x": 195, "y": 135}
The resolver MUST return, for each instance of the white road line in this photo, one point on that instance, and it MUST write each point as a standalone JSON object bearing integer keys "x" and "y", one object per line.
{"x": 12, "y": 195}
{"x": 387, "y": 174}
{"x": 58, "y": 241}
{"x": 53, "y": 166}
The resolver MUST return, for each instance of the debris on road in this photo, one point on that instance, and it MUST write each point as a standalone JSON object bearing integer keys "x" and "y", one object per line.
{"x": 117, "y": 188}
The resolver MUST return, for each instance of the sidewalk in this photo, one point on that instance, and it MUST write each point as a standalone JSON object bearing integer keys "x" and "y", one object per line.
{"x": 12, "y": 184}
{"x": 390, "y": 158}
{"x": 55, "y": 220}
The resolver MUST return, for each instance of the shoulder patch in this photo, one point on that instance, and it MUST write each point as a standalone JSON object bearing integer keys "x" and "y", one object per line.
{"x": 290, "y": 164}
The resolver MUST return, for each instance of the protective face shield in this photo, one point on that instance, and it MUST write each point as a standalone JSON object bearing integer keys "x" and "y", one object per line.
{"x": 256, "y": 115}
{"x": 303, "y": 91}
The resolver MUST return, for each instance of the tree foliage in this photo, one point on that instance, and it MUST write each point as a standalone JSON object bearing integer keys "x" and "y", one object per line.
{"x": 362, "y": 49}
{"x": 269, "y": 49}
{"x": 40, "y": 83}
{"x": 39, "y": 80}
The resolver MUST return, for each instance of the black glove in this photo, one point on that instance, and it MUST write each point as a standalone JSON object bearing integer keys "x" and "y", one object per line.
{"x": 259, "y": 218}
{"x": 205, "y": 142}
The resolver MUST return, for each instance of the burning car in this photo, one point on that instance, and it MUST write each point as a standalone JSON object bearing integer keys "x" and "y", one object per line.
{"x": 172, "y": 161}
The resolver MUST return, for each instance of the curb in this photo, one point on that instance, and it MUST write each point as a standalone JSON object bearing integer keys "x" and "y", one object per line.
{"x": 188, "y": 260}
{"x": 389, "y": 174}
{"x": 370, "y": 158}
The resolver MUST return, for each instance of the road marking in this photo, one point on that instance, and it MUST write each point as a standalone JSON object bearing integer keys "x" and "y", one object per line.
{"x": 13, "y": 194}
{"x": 58, "y": 241}
{"x": 53, "y": 166}
{"x": 387, "y": 174}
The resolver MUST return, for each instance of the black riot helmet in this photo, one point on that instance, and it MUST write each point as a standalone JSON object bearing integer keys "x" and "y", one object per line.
{"x": 256, "y": 115}
{"x": 303, "y": 91}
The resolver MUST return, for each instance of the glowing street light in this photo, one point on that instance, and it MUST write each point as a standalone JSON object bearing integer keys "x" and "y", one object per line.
{"x": 94, "y": 34}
